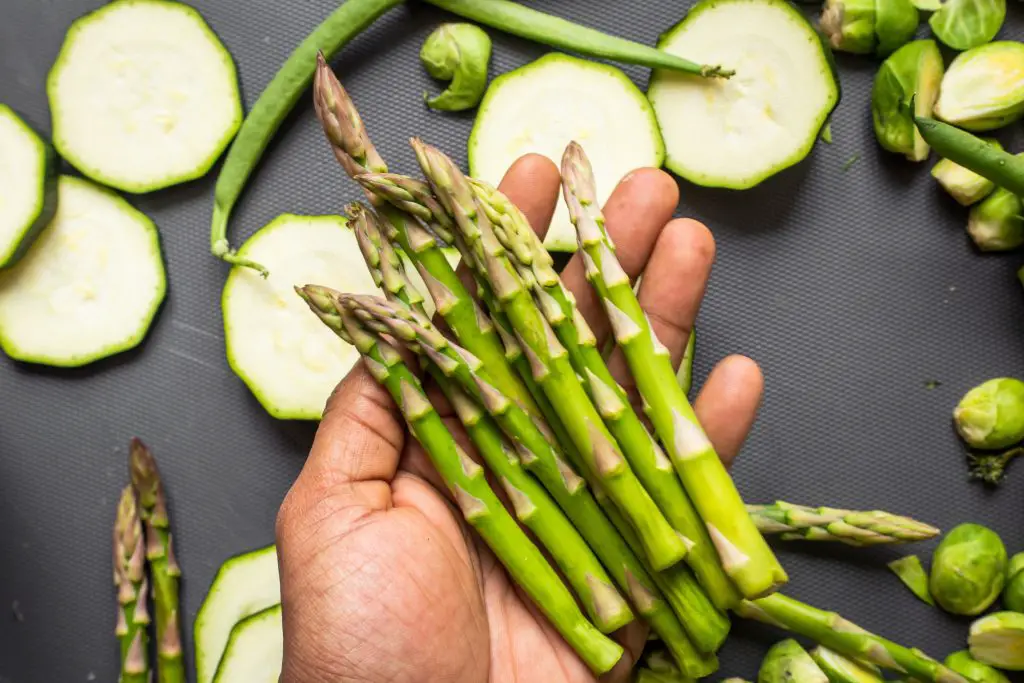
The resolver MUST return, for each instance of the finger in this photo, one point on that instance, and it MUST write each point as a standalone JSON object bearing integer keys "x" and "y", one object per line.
{"x": 355, "y": 453}
{"x": 673, "y": 287}
{"x": 532, "y": 184}
{"x": 635, "y": 214}
{"x": 728, "y": 403}
{"x": 632, "y": 637}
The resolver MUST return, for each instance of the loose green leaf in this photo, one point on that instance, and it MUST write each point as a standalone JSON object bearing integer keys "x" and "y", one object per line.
{"x": 963, "y": 24}
{"x": 911, "y": 572}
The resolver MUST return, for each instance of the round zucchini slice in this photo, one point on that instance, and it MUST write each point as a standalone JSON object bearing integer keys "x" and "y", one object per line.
{"x": 90, "y": 285}
{"x": 736, "y": 132}
{"x": 143, "y": 95}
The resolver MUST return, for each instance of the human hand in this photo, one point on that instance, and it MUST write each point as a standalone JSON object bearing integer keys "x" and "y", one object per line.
{"x": 381, "y": 579}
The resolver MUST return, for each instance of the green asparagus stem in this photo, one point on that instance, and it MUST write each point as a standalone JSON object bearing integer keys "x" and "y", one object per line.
{"x": 355, "y": 152}
{"x": 163, "y": 566}
{"x": 538, "y": 456}
{"x": 535, "y": 509}
{"x": 799, "y": 522}
{"x": 652, "y": 467}
{"x": 480, "y": 507}
{"x": 550, "y": 364}
{"x": 131, "y": 584}
{"x": 838, "y": 634}
{"x": 744, "y": 554}
{"x": 531, "y": 503}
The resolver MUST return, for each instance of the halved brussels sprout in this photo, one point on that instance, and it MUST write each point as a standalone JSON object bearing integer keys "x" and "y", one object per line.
{"x": 968, "y": 569}
{"x": 965, "y": 186}
{"x": 788, "y": 661}
{"x": 996, "y": 223}
{"x": 964, "y": 664}
{"x": 963, "y": 24}
{"x": 983, "y": 88}
{"x": 911, "y": 74}
{"x": 998, "y": 640}
{"x": 869, "y": 26}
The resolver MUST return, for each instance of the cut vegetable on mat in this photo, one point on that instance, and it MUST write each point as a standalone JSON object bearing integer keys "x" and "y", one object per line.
{"x": 459, "y": 53}
{"x": 244, "y": 586}
{"x": 983, "y": 88}
{"x": 90, "y": 285}
{"x": 906, "y": 87}
{"x": 28, "y": 174}
{"x": 737, "y": 132}
{"x": 540, "y": 107}
{"x": 869, "y": 26}
{"x": 289, "y": 362}
{"x": 143, "y": 95}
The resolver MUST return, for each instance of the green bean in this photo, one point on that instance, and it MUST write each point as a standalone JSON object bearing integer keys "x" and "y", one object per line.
{"x": 522, "y": 21}
{"x": 1002, "y": 168}
{"x": 274, "y": 103}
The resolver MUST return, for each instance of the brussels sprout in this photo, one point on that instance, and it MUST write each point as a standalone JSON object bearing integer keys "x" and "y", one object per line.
{"x": 963, "y": 24}
{"x": 787, "y": 662}
{"x": 997, "y": 224}
{"x": 1013, "y": 594}
{"x": 839, "y": 669}
{"x": 965, "y": 186}
{"x": 910, "y": 75}
{"x": 964, "y": 664}
{"x": 983, "y": 88}
{"x": 869, "y": 26}
{"x": 968, "y": 569}
{"x": 998, "y": 640}
{"x": 991, "y": 415}
{"x": 459, "y": 53}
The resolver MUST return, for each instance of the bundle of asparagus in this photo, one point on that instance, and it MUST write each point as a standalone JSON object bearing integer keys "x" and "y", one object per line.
{"x": 141, "y": 537}
{"x": 634, "y": 531}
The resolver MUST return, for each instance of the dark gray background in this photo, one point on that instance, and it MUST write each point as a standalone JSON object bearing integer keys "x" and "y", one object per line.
{"x": 852, "y": 289}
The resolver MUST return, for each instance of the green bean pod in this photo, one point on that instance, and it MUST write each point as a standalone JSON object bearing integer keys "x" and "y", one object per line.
{"x": 973, "y": 153}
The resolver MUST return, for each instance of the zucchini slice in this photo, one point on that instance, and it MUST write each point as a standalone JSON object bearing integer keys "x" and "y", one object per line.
{"x": 244, "y": 586}
{"x": 90, "y": 285}
{"x": 736, "y": 132}
{"x": 255, "y": 650}
{"x": 288, "y": 358}
{"x": 28, "y": 176}
{"x": 143, "y": 95}
{"x": 543, "y": 106}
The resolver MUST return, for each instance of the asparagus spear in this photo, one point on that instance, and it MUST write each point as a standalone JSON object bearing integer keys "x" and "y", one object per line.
{"x": 744, "y": 554}
{"x": 131, "y": 584}
{"x": 162, "y": 564}
{"x": 838, "y": 634}
{"x": 539, "y": 457}
{"x": 654, "y": 470}
{"x": 798, "y": 522}
{"x": 531, "y": 503}
{"x": 352, "y": 147}
{"x": 550, "y": 364}
{"x": 480, "y": 507}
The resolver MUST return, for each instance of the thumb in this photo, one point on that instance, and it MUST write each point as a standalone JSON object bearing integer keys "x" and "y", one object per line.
{"x": 353, "y": 459}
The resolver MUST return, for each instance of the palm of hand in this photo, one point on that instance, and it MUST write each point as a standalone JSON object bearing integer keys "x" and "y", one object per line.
{"x": 381, "y": 578}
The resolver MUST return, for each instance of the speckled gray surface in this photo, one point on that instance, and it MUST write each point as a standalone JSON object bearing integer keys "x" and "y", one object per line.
{"x": 851, "y": 288}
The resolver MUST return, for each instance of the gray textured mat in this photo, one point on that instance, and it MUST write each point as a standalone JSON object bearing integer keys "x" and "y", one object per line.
{"x": 852, "y": 289}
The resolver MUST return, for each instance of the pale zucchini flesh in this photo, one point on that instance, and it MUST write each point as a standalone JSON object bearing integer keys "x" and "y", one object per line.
{"x": 288, "y": 358}
{"x": 245, "y": 585}
{"x": 736, "y": 132}
{"x": 143, "y": 95}
{"x": 255, "y": 650}
{"x": 28, "y": 185}
{"x": 88, "y": 287}
{"x": 543, "y": 106}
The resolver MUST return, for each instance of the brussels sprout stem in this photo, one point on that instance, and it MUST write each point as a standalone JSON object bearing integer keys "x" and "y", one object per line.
{"x": 990, "y": 468}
